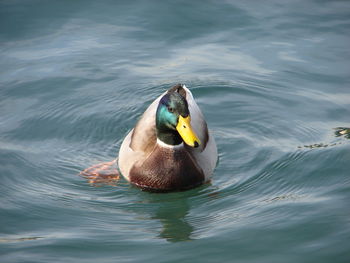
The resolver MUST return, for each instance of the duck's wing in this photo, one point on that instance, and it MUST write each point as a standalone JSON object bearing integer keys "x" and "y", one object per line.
{"x": 140, "y": 141}
{"x": 206, "y": 154}
{"x": 143, "y": 136}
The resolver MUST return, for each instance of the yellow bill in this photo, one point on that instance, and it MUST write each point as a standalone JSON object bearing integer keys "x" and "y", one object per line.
{"x": 187, "y": 134}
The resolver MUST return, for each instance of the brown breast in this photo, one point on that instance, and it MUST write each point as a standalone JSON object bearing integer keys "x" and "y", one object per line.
{"x": 167, "y": 169}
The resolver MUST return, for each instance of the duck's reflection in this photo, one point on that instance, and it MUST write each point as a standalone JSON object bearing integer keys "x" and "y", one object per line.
{"x": 175, "y": 227}
{"x": 172, "y": 211}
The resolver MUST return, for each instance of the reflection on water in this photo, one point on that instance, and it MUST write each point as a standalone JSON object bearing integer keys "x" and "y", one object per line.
{"x": 18, "y": 239}
{"x": 208, "y": 58}
{"x": 173, "y": 220}
{"x": 169, "y": 211}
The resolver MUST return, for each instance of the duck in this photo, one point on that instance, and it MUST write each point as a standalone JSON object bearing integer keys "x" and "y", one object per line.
{"x": 170, "y": 148}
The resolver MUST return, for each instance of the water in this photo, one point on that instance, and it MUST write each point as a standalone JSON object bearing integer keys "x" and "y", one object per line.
{"x": 272, "y": 79}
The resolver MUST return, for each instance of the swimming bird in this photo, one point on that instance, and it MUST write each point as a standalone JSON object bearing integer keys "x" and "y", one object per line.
{"x": 170, "y": 148}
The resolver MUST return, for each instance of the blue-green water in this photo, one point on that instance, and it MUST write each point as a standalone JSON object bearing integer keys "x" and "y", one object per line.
{"x": 272, "y": 79}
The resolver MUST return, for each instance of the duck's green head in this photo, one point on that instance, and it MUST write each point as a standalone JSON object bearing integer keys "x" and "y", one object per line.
{"x": 173, "y": 121}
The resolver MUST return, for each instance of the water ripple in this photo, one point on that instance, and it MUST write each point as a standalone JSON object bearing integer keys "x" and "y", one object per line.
{"x": 272, "y": 80}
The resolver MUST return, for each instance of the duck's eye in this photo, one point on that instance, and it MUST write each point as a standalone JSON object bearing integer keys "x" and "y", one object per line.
{"x": 170, "y": 109}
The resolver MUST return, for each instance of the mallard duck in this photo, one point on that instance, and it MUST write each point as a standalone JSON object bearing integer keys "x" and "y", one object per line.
{"x": 170, "y": 148}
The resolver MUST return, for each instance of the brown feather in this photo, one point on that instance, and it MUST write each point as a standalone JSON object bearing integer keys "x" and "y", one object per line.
{"x": 167, "y": 169}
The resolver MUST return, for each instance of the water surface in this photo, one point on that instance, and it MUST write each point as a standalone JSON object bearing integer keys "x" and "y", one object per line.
{"x": 272, "y": 79}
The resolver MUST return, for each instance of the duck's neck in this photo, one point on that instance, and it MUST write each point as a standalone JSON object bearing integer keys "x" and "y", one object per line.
{"x": 169, "y": 137}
